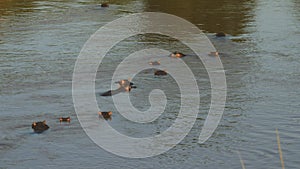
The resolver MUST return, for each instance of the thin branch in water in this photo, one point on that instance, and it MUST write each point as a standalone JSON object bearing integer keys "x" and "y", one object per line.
{"x": 241, "y": 160}
{"x": 279, "y": 149}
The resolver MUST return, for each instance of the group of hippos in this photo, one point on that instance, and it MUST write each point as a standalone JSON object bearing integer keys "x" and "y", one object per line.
{"x": 41, "y": 126}
{"x": 124, "y": 86}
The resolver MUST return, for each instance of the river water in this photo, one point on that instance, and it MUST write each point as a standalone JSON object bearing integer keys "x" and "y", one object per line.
{"x": 39, "y": 45}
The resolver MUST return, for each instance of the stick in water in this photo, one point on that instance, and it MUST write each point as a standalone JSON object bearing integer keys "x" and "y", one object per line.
{"x": 241, "y": 160}
{"x": 279, "y": 149}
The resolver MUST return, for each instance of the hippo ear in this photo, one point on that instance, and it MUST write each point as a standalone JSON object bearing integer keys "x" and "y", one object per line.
{"x": 100, "y": 113}
{"x": 34, "y": 124}
{"x": 44, "y": 121}
{"x": 110, "y": 113}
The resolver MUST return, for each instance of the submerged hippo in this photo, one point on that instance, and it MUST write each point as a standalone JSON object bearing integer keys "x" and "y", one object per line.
{"x": 105, "y": 115}
{"x": 213, "y": 54}
{"x": 126, "y": 83}
{"x": 125, "y": 86}
{"x": 154, "y": 63}
{"x": 177, "y": 55}
{"x": 65, "y": 119}
{"x": 220, "y": 34}
{"x": 39, "y": 127}
{"x": 160, "y": 73}
{"x": 104, "y": 5}
{"x": 108, "y": 93}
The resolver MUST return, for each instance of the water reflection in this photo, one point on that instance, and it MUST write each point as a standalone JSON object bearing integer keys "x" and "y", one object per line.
{"x": 296, "y": 9}
{"x": 9, "y": 7}
{"x": 231, "y": 16}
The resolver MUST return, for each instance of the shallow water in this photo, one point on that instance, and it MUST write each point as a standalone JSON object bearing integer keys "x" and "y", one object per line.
{"x": 40, "y": 42}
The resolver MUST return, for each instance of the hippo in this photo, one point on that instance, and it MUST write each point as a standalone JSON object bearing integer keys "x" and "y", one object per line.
{"x": 213, "y": 54}
{"x": 154, "y": 63}
{"x": 105, "y": 115}
{"x": 220, "y": 34}
{"x": 65, "y": 119}
{"x": 177, "y": 55}
{"x": 125, "y": 86}
{"x": 125, "y": 83}
{"x": 39, "y": 127}
{"x": 108, "y": 93}
{"x": 160, "y": 73}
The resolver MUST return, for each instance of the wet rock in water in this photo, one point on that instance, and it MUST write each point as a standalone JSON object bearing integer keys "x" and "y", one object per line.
{"x": 65, "y": 119}
{"x": 39, "y": 127}
{"x": 160, "y": 73}
{"x": 105, "y": 115}
{"x": 177, "y": 55}
{"x": 220, "y": 34}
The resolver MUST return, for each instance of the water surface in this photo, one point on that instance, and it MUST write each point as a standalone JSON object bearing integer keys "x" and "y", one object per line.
{"x": 40, "y": 42}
